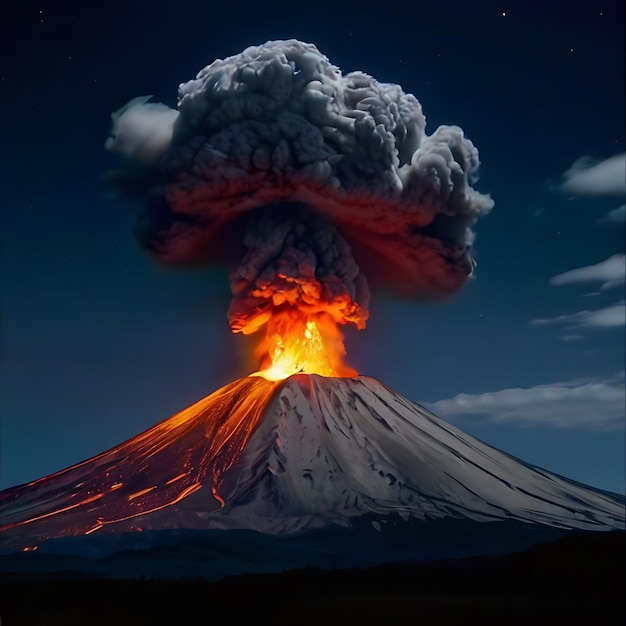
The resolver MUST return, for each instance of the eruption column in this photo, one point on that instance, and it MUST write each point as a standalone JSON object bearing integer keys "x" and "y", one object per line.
{"x": 319, "y": 178}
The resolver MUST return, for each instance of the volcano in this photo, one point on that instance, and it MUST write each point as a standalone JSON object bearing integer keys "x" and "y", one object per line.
{"x": 308, "y": 458}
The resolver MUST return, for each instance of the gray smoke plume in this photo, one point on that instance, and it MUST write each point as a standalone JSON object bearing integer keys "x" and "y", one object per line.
{"x": 296, "y": 260}
{"x": 360, "y": 188}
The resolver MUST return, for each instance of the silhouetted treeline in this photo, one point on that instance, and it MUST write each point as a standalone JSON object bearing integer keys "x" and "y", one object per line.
{"x": 577, "y": 580}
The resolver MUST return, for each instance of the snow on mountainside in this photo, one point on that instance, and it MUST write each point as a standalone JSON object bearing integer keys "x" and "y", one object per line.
{"x": 330, "y": 449}
{"x": 306, "y": 453}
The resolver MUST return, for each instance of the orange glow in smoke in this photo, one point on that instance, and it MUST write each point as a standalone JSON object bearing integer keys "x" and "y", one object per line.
{"x": 297, "y": 342}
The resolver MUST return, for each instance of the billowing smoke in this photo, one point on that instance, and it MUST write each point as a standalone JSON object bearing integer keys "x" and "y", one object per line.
{"x": 323, "y": 177}
{"x": 299, "y": 260}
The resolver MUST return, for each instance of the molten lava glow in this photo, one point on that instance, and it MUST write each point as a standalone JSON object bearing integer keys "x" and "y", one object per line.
{"x": 190, "y": 452}
{"x": 297, "y": 342}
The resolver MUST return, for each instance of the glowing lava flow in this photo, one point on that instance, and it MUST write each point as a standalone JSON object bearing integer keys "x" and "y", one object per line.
{"x": 296, "y": 342}
{"x": 184, "y": 460}
{"x": 187, "y": 453}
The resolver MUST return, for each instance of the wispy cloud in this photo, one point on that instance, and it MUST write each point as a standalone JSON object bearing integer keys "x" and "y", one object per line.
{"x": 611, "y": 272}
{"x": 609, "y": 317}
{"x": 588, "y": 404}
{"x": 616, "y": 216}
{"x": 606, "y": 178}
{"x": 568, "y": 338}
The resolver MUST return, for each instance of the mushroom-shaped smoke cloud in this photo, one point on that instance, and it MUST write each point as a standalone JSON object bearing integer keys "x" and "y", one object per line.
{"x": 323, "y": 177}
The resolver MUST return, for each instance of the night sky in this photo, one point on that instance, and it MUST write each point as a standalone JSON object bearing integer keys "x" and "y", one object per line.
{"x": 98, "y": 343}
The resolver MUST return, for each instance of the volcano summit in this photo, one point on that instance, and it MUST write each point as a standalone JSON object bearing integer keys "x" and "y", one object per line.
{"x": 299, "y": 459}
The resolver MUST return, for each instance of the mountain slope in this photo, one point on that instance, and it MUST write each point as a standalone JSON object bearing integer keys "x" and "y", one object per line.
{"x": 329, "y": 449}
{"x": 306, "y": 453}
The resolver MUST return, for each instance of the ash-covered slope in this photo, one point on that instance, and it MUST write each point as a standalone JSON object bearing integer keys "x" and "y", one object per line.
{"x": 290, "y": 457}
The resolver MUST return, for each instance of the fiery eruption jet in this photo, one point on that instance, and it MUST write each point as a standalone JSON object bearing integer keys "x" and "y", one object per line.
{"x": 303, "y": 181}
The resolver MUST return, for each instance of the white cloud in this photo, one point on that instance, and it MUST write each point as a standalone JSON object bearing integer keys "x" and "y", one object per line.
{"x": 606, "y": 178}
{"x": 611, "y": 272}
{"x": 589, "y": 404}
{"x": 609, "y": 317}
{"x": 616, "y": 216}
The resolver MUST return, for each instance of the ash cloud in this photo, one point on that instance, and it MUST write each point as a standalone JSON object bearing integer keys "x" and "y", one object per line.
{"x": 297, "y": 260}
{"x": 279, "y": 125}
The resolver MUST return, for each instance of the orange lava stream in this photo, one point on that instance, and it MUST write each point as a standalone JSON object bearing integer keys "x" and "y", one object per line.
{"x": 297, "y": 342}
{"x": 162, "y": 466}
{"x": 183, "y": 460}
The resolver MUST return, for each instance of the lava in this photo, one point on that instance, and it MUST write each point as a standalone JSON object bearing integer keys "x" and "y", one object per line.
{"x": 190, "y": 452}
{"x": 159, "y": 468}
{"x": 299, "y": 343}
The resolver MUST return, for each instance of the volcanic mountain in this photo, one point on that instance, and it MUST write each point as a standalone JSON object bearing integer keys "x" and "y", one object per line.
{"x": 308, "y": 456}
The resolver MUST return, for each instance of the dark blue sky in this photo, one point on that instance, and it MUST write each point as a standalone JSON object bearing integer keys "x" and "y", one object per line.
{"x": 98, "y": 343}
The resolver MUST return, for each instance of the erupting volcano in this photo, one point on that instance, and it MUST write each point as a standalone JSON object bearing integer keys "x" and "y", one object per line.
{"x": 303, "y": 181}
{"x": 295, "y": 457}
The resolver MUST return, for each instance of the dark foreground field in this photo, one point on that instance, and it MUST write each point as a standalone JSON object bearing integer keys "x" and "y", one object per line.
{"x": 577, "y": 580}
